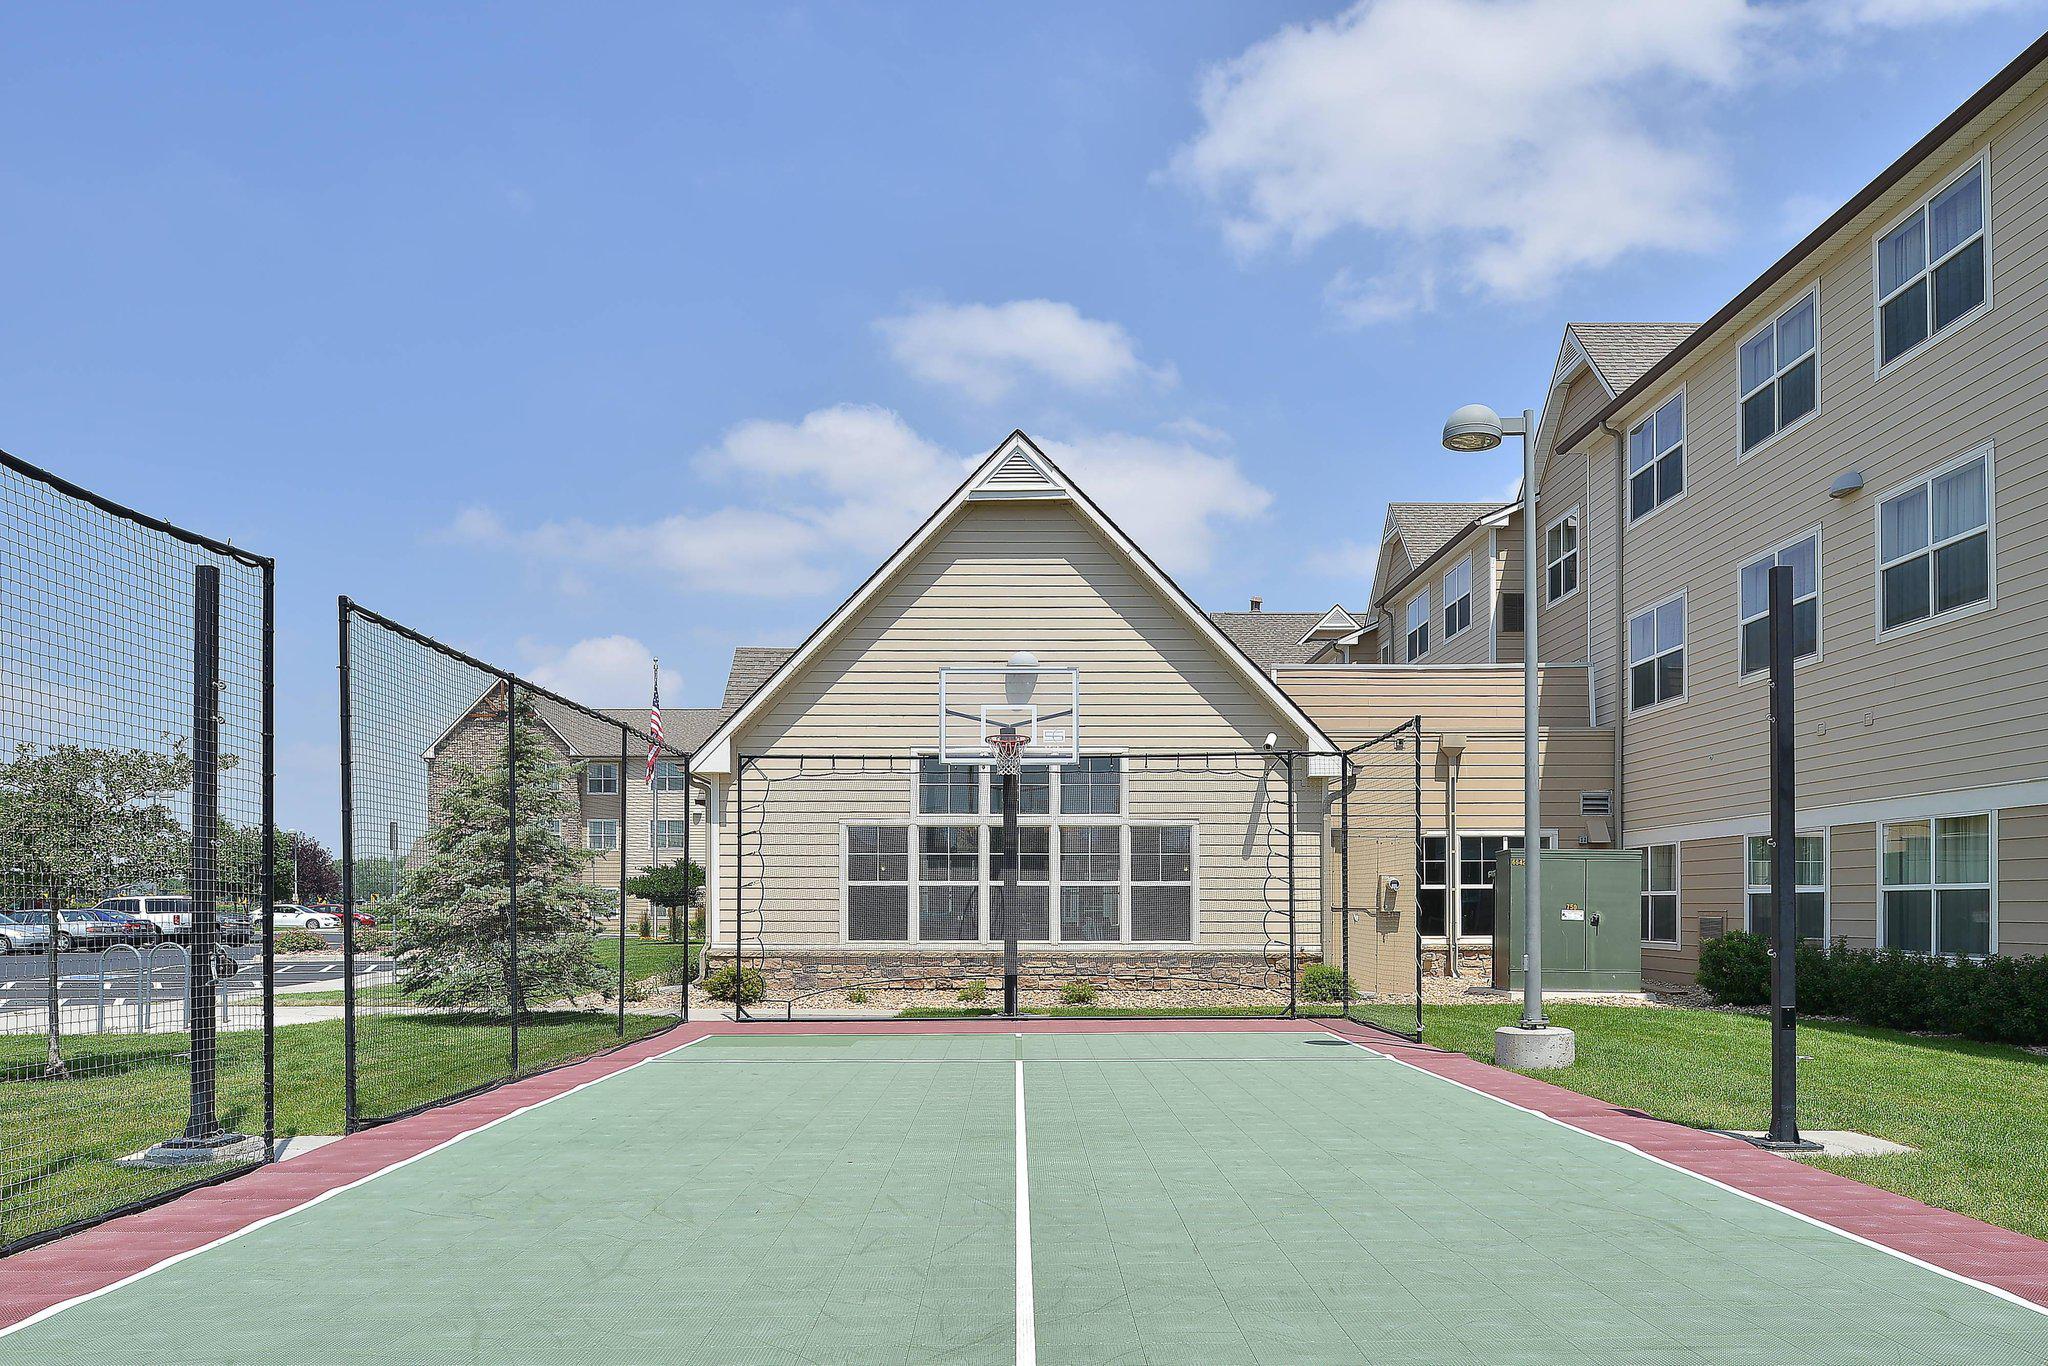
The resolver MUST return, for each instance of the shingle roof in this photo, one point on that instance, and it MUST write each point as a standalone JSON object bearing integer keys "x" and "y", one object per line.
{"x": 1273, "y": 638}
{"x": 1426, "y": 528}
{"x": 752, "y": 665}
{"x": 682, "y": 728}
{"x": 1624, "y": 352}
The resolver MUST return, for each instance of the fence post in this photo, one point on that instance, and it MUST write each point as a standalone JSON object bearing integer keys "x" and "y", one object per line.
{"x": 687, "y": 916}
{"x": 626, "y": 833}
{"x": 349, "y": 1116}
{"x": 266, "y": 890}
{"x": 1293, "y": 957}
{"x": 1344, "y": 872}
{"x": 1415, "y": 892}
{"x": 512, "y": 1000}
{"x": 200, "y": 1121}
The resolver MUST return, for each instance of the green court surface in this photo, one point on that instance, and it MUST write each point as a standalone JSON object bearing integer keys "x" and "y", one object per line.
{"x": 1187, "y": 1197}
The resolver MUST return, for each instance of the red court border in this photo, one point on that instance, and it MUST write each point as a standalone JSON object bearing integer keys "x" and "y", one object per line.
{"x": 41, "y": 1277}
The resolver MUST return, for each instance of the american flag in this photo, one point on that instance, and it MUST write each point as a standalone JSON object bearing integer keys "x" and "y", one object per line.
{"x": 654, "y": 743}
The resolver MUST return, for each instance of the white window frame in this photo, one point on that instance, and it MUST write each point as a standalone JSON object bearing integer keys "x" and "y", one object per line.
{"x": 653, "y": 834}
{"x": 1418, "y": 620}
{"x": 1684, "y": 444}
{"x": 668, "y": 776}
{"x": 1742, "y": 396}
{"x": 1878, "y": 364}
{"x": 1450, "y": 602}
{"x": 1677, "y": 894}
{"x": 1447, "y": 886}
{"x": 1628, "y": 692}
{"x": 1574, "y": 555}
{"x": 607, "y": 773}
{"x": 590, "y": 824}
{"x": 1934, "y": 901}
{"x": 556, "y": 827}
{"x": 1819, "y": 605}
{"x": 1825, "y": 887}
{"x": 1934, "y": 618}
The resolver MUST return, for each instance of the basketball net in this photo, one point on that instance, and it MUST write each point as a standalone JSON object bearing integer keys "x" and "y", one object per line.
{"x": 1008, "y": 746}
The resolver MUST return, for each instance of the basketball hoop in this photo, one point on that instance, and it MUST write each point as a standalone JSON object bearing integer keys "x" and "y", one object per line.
{"x": 1008, "y": 745}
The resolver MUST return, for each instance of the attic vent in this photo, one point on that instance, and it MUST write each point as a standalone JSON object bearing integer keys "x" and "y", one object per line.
{"x": 1596, "y": 803}
{"x": 1016, "y": 475}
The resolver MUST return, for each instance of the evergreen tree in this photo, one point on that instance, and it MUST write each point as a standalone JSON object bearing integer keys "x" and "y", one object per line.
{"x": 450, "y": 923}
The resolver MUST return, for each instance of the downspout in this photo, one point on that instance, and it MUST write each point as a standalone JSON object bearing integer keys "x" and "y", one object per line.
{"x": 1621, "y": 682}
{"x": 1452, "y": 757}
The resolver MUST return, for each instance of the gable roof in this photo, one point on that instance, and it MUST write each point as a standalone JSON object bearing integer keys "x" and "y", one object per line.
{"x": 1272, "y": 638}
{"x": 1426, "y": 528}
{"x": 988, "y": 482}
{"x": 752, "y": 665}
{"x": 1494, "y": 515}
{"x": 2011, "y": 75}
{"x": 1621, "y": 353}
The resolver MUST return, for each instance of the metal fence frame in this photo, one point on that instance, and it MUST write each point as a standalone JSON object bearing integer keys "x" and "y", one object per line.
{"x": 1290, "y": 763}
{"x": 1408, "y": 734}
{"x": 353, "y": 1118}
{"x": 200, "y": 981}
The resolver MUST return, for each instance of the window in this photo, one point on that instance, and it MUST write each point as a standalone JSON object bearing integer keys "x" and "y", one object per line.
{"x": 1034, "y": 883}
{"x": 1091, "y": 877}
{"x": 1561, "y": 557}
{"x": 1656, "y": 459}
{"x": 1780, "y": 372}
{"x": 668, "y": 775}
{"x": 1931, "y": 268}
{"x": 1092, "y": 787}
{"x": 945, "y": 789}
{"x": 601, "y": 780}
{"x": 1458, "y": 598}
{"x": 1656, "y": 655}
{"x": 1810, "y": 858}
{"x": 665, "y": 834}
{"x": 1432, "y": 896}
{"x": 1163, "y": 883}
{"x": 1511, "y": 613}
{"x": 555, "y": 828}
{"x": 1934, "y": 544}
{"x": 877, "y": 883}
{"x": 1418, "y": 627}
{"x": 1937, "y": 885}
{"x": 1802, "y": 557}
{"x": 949, "y": 882}
{"x": 601, "y": 833}
{"x": 1476, "y": 858}
{"x": 1660, "y": 894}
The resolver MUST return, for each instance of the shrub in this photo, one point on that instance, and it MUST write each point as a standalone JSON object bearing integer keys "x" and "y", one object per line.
{"x": 729, "y": 981}
{"x": 857, "y": 997}
{"x": 1323, "y": 982}
{"x": 1995, "y": 1000}
{"x": 372, "y": 939}
{"x": 1736, "y": 969}
{"x": 301, "y": 941}
{"x": 646, "y": 925}
{"x": 1077, "y": 993}
{"x": 974, "y": 993}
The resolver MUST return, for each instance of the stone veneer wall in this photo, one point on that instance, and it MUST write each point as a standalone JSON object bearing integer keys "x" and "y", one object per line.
{"x": 796, "y": 973}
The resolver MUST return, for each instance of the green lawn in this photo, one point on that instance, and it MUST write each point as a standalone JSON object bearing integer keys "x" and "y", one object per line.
{"x": 127, "y": 1092}
{"x": 1977, "y": 1113}
{"x": 646, "y": 961}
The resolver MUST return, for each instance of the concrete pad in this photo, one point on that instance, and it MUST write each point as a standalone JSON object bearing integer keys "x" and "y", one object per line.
{"x": 1840, "y": 1142}
{"x": 1534, "y": 1049}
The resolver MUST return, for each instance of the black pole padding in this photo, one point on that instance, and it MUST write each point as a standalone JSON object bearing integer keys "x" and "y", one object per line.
{"x": 1293, "y": 948}
{"x": 512, "y": 868}
{"x": 350, "y": 1117}
{"x": 1784, "y": 1130}
{"x": 653, "y": 860}
{"x": 1009, "y": 910}
{"x": 201, "y": 1121}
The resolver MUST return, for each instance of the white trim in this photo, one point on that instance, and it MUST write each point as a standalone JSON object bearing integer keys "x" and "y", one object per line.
{"x": 1571, "y": 515}
{"x": 1770, "y": 323}
{"x": 323, "y": 1196}
{"x": 714, "y": 755}
{"x": 1027, "y": 1318}
{"x": 1907, "y": 1257}
{"x": 1934, "y": 887}
{"x": 1677, "y": 894}
{"x": 1628, "y": 504}
{"x": 1878, "y": 563}
{"x": 1684, "y": 648}
{"x": 1827, "y": 880}
{"x": 1968, "y": 801}
{"x": 1444, "y": 589}
{"x": 1345, "y": 625}
{"x": 1422, "y": 599}
{"x": 1878, "y": 364}
{"x": 1813, "y": 534}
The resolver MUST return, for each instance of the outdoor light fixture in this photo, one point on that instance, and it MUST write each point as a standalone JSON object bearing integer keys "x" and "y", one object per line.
{"x": 1472, "y": 429}
{"x": 1846, "y": 483}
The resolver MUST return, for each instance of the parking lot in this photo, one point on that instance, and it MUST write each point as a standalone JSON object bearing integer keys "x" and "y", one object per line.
{"x": 23, "y": 977}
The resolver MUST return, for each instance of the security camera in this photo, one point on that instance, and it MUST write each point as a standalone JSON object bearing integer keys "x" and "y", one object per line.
{"x": 1271, "y": 739}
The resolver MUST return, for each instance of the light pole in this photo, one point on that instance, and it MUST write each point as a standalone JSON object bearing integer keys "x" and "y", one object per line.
{"x": 1534, "y": 1042}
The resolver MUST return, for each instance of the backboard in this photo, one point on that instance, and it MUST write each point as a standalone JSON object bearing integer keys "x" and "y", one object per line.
{"x": 1039, "y": 702}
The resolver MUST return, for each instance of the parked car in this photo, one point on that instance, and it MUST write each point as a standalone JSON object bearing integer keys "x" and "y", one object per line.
{"x": 170, "y": 914}
{"x": 234, "y": 928}
{"x": 24, "y": 932}
{"x": 285, "y": 916}
{"x": 97, "y": 929}
{"x": 131, "y": 929}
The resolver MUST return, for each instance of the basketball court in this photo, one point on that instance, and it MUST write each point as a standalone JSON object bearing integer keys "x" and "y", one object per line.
{"x": 990, "y": 1192}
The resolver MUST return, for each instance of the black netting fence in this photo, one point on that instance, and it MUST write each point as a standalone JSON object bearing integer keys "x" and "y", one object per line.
{"x": 1374, "y": 879}
{"x": 521, "y": 884}
{"x": 135, "y": 858}
{"x": 1147, "y": 884}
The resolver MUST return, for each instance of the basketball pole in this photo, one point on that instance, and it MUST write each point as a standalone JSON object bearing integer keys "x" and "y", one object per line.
{"x": 1010, "y": 861}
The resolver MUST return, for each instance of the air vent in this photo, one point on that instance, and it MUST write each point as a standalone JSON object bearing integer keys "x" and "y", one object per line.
{"x": 1510, "y": 613}
{"x": 1596, "y": 803}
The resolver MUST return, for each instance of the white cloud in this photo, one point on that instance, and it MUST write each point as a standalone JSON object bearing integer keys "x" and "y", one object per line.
{"x": 818, "y": 502}
{"x": 986, "y": 350}
{"x": 1504, "y": 146}
{"x": 1353, "y": 561}
{"x": 602, "y": 671}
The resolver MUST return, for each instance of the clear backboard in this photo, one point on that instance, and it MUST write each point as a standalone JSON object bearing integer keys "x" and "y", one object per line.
{"x": 1040, "y": 703}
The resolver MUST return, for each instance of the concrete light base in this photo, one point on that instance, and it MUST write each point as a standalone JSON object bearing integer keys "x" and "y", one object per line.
{"x": 1534, "y": 1050}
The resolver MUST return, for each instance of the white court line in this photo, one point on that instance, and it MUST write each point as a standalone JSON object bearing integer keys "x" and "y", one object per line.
{"x": 1027, "y": 1324}
{"x": 1985, "y": 1286}
{"x": 177, "y": 1257}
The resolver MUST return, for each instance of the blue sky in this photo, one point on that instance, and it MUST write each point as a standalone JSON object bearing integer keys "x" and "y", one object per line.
{"x": 572, "y": 334}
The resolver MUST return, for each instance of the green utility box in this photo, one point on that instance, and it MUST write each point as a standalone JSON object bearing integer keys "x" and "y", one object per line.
{"x": 1592, "y": 920}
